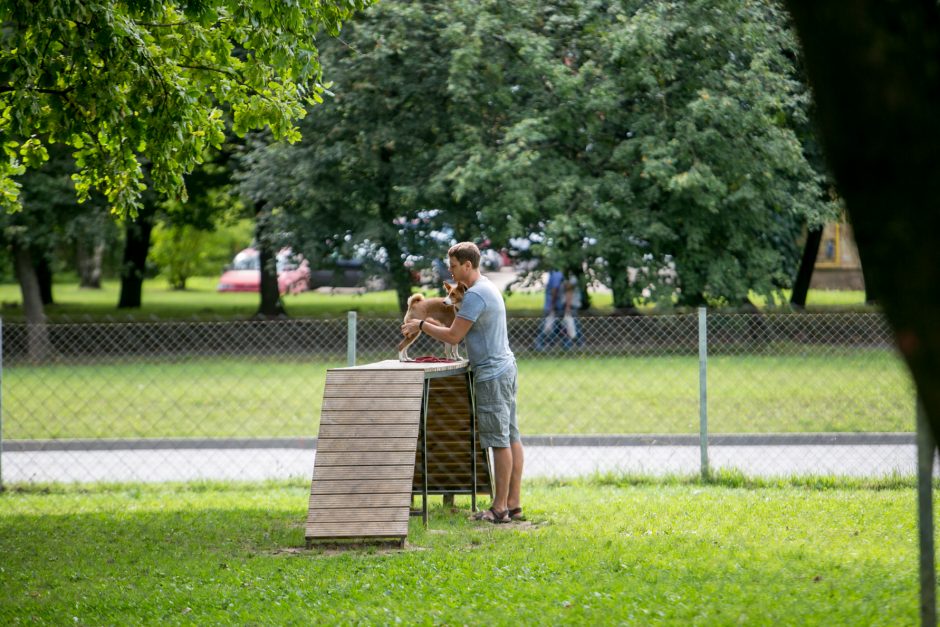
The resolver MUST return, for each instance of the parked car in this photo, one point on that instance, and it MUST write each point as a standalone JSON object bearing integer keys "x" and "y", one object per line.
{"x": 244, "y": 273}
{"x": 347, "y": 273}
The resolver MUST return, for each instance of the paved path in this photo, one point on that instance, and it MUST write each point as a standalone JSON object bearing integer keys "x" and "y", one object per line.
{"x": 281, "y": 459}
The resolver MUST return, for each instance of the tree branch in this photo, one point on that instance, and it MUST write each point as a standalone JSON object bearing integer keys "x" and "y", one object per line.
{"x": 41, "y": 90}
{"x": 156, "y": 25}
{"x": 209, "y": 68}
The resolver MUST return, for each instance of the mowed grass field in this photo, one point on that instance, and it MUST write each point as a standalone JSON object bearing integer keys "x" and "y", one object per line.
{"x": 868, "y": 390}
{"x": 591, "y": 553}
{"x": 201, "y": 299}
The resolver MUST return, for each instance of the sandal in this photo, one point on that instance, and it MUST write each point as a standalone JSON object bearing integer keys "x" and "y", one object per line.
{"x": 516, "y": 514}
{"x": 496, "y": 517}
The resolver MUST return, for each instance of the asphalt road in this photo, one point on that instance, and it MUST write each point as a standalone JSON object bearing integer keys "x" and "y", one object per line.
{"x": 268, "y": 460}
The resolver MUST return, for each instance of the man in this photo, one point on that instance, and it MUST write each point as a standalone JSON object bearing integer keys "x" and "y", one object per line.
{"x": 482, "y": 321}
{"x": 562, "y": 303}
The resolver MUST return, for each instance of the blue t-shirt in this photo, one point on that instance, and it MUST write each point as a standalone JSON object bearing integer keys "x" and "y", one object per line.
{"x": 554, "y": 286}
{"x": 487, "y": 340}
{"x": 559, "y": 284}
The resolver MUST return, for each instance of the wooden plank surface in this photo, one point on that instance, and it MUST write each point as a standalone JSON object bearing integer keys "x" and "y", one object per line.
{"x": 364, "y": 470}
{"x": 341, "y": 445}
{"x": 438, "y": 459}
{"x": 358, "y": 530}
{"x": 370, "y": 404}
{"x": 339, "y": 501}
{"x": 378, "y": 389}
{"x": 333, "y": 473}
{"x": 367, "y": 431}
{"x": 358, "y": 515}
{"x": 376, "y": 415}
{"x": 370, "y": 458}
{"x": 347, "y": 376}
{"x": 453, "y": 467}
{"x": 361, "y": 486}
{"x": 408, "y": 366}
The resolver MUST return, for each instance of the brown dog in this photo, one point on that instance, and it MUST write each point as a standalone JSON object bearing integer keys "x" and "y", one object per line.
{"x": 441, "y": 311}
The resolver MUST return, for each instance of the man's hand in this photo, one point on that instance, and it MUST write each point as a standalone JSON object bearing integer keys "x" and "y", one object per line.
{"x": 410, "y": 328}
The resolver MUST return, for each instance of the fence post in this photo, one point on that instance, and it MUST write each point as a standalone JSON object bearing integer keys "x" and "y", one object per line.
{"x": 351, "y": 338}
{"x": 926, "y": 446}
{"x": 703, "y": 388}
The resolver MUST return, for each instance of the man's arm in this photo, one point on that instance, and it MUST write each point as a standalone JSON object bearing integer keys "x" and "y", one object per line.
{"x": 450, "y": 335}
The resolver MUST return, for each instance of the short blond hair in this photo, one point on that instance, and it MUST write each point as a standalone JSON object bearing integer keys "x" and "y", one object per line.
{"x": 465, "y": 251}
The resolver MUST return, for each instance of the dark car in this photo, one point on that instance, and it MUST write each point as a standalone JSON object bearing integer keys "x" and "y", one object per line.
{"x": 346, "y": 273}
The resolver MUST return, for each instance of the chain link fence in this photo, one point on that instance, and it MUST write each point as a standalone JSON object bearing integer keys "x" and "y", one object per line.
{"x": 764, "y": 394}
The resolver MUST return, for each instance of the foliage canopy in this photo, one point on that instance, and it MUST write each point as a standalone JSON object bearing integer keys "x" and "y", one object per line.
{"x": 127, "y": 82}
{"x": 658, "y": 147}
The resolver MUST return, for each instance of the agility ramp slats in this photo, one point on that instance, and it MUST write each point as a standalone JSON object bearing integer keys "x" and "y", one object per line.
{"x": 449, "y": 443}
{"x": 364, "y": 465}
{"x": 370, "y": 450}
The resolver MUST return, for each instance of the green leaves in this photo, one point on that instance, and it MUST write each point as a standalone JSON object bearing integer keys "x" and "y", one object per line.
{"x": 148, "y": 80}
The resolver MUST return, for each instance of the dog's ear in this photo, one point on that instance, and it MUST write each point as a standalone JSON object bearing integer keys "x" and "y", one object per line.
{"x": 447, "y": 287}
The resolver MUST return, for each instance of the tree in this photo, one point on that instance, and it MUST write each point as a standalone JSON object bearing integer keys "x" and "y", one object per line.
{"x": 184, "y": 231}
{"x": 181, "y": 251}
{"x": 875, "y": 72}
{"x": 49, "y": 200}
{"x": 804, "y": 273}
{"x": 90, "y": 235}
{"x": 126, "y": 85}
{"x": 647, "y": 135}
{"x": 121, "y": 81}
{"x": 659, "y": 136}
{"x": 359, "y": 179}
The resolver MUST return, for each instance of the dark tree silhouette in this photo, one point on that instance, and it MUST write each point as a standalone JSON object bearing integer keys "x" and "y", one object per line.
{"x": 874, "y": 66}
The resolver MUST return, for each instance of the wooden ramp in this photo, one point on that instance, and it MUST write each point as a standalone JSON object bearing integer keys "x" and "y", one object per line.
{"x": 370, "y": 449}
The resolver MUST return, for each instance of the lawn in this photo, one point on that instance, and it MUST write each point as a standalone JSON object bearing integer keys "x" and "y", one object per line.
{"x": 201, "y": 299}
{"x": 866, "y": 390}
{"x": 592, "y": 553}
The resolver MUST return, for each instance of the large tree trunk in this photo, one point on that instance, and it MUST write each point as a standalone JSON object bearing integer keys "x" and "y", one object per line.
{"x": 37, "y": 334}
{"x": 870, "y": 297}
{"x": 89, "y": 257}
{"x": 400, "y": 275}
{"x": 805, "y": 272}
{"x": 622, "y": 291}
{"x": 136, "y": 248}
{"x": 875, "y": 70}
{"x": 271, "y": 305}
{"x": 43, "y": 276}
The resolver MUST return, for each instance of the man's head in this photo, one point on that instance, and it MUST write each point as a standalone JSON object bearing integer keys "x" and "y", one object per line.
{"x": 465, "y": 251}
{"x": 464, "y": 262}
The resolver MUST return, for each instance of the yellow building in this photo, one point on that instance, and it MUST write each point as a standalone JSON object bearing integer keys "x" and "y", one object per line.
{"x": 838, "y": 266}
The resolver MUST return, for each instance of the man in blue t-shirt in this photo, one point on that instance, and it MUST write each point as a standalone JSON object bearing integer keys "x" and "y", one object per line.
{"x": 481, "y": 321}
{"x": 559, "y": 315}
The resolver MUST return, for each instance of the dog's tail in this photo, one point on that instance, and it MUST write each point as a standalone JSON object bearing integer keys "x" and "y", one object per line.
{"x": 415, "y": 298}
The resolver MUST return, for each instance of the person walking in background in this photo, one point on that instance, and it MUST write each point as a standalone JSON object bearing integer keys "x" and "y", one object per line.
{"x": 559, "y": 314}
{"x": 481, "y": 320}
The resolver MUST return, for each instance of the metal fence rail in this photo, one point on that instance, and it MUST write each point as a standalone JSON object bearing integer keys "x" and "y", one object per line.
{"x": 783, "y": 394}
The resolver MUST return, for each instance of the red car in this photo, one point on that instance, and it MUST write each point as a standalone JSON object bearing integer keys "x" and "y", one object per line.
{"x": 244, "y": 275}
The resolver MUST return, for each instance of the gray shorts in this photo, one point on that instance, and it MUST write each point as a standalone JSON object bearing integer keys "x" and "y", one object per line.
{"x": 496, "y": 410}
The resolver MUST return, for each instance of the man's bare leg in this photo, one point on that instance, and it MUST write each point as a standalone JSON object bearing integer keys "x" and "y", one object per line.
{"x": 503, "y": 466}
{"x": 514, "y": 497}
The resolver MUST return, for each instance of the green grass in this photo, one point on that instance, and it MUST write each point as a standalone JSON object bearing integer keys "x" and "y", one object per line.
{"x": 592, "y": 554}
{"x": 201, "y": 300}
{"x": 864, "y": 391}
